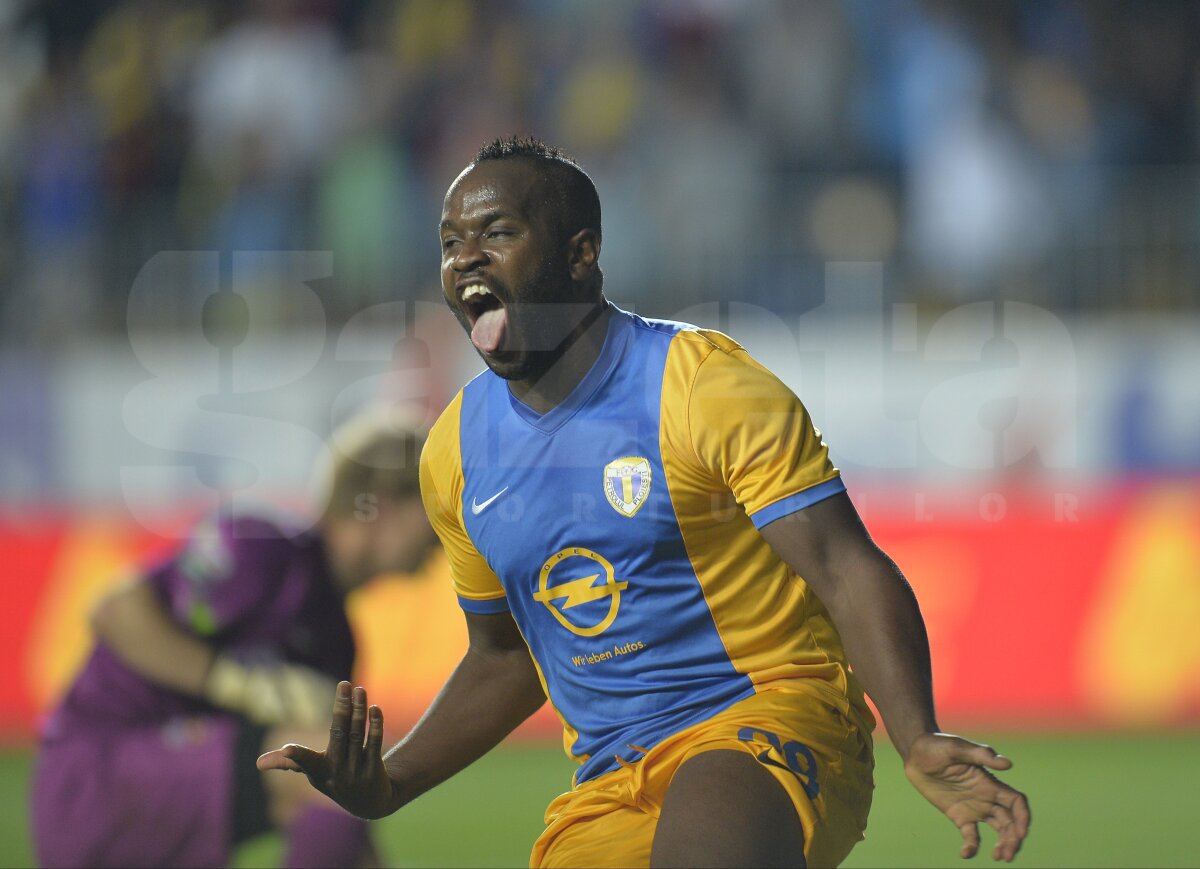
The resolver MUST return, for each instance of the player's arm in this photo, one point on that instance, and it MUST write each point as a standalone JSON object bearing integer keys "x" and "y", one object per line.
{"x": 879, "y": 620}
{"x": 494, "y": 688}
{"x": 134, "y": 623}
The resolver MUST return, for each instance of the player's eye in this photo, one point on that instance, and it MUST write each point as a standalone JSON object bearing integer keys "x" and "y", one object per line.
{"x": 448, "y": 243}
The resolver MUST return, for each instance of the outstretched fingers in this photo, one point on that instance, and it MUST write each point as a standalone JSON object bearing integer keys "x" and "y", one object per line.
{"x": 298, "y": 758}
{"x": 956, "y": 775}
{"x": 339, "y": 727}
{"x": 375, "y": 733}
{"x": 358, "y": 729}
{"x": 987, "y": 756}
{"x": 277, "y": 760}
{"x": 970, "y": 835}
{"x": 1011, "y": 823}
{"x": 1008, "y": 814}
{"x": 350, "y": 771}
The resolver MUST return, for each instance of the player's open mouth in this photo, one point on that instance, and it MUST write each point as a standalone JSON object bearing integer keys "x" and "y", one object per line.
{"x": 487, "y": 315}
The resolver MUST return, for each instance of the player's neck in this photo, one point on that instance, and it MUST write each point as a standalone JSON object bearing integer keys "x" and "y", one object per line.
{"x": 583, "y": 347}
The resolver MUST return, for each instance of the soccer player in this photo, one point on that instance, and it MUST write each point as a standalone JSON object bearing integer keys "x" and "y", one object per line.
{"x": 643, "y": 525}
{"x": 232, "y": 644}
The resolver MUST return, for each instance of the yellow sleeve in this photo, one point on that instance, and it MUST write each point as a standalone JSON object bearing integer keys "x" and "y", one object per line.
{"x": 478, "y": 588}
{"x": 750, "y": 432}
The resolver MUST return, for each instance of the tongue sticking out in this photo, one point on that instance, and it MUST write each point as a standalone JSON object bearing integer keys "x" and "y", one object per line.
{"x": 488, "y": 331}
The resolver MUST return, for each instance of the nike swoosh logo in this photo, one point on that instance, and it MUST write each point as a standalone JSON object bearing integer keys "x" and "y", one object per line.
{"x": 477, "y": 508}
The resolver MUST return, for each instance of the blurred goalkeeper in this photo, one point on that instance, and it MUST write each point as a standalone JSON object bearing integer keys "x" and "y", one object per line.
{"x": 233, "y": 644}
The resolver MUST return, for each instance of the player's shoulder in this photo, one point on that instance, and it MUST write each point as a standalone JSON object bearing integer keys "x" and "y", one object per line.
{"x": 692, "y": 347}
{"x": 685, "y": 339}
{"x": 262, "y": 521}
{"x": 442, "y": 443}
{"x": 223, "y": 543}
{"x": 703, "y": 343}
{"x": 709, "y": 364}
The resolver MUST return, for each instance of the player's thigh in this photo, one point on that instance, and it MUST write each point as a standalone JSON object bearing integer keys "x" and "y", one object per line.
{"x": 289, "y": 794}
{"x": 156, "y": 795}
{"x": 723, "y": 808}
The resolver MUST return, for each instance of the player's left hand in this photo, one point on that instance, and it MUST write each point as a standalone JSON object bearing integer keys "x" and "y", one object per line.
{"x": 350, "y": 770}
{"x": 952, "y": 773}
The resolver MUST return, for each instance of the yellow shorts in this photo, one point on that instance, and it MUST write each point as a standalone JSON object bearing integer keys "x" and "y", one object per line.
{"x": 806, "y": 735}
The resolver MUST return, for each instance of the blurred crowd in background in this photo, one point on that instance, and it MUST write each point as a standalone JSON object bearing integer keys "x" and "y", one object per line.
{"x": 967, "y": 234}
{"x": 1040, "y": 151}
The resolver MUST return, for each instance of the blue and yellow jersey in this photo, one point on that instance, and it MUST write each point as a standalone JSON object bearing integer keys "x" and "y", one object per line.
{"x": 620, "y": 530}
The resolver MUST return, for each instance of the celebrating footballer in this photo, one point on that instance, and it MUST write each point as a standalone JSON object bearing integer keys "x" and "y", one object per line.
{"x": 645, "y": 527}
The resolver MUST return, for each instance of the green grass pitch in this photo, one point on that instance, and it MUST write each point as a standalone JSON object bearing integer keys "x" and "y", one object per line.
{"x": 1098, "y": 800}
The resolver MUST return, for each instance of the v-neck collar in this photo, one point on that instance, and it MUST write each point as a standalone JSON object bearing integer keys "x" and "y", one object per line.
{"x": 606, "y": 360}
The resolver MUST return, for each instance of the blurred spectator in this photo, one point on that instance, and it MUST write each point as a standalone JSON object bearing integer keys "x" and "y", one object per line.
{"x": 707, "y": 180}
{"x": 274, "y": 79}
{"x": 799, "y": 60}
{"x": 974, "y": 149}
{"x": 59, "y": 207}
{"x": 365, "y": 191}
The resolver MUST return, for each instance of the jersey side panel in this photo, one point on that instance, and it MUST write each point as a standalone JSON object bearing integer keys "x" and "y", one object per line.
{"x": 729, "y": 429}
{"x": 477, "y": 587}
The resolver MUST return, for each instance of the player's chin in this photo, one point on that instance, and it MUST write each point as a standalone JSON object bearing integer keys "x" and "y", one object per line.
{"x": 512, "y": 365}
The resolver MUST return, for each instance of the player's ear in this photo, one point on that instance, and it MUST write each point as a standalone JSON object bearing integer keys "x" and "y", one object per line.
{"x": 583, "y": 254}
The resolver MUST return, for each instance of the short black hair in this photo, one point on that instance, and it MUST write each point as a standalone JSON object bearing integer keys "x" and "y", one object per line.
{"x": 578, "y": 202}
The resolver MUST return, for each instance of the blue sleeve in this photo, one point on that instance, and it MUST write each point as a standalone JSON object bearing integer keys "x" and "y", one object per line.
{"x": 800, "y": 500}
{"x": 484, "y": 607}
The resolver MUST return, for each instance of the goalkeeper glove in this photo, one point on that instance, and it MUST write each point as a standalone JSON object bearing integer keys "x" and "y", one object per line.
{"x": 270, "y": 695}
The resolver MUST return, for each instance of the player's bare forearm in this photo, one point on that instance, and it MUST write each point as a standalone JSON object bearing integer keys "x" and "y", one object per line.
{"x": 881, "y": 627}
{"x": 872, "y": 606}
{"x": 132, "y": 622}
{"x": 487, "y": 696}
{"x": 885, "y": 639}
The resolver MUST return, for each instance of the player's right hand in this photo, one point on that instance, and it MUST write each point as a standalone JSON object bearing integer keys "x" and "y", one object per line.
{"x": 270, "y": 695}
{"x": 350, "y": 770}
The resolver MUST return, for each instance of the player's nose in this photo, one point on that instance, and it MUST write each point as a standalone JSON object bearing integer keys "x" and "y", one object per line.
{"x": 470, "y": 255}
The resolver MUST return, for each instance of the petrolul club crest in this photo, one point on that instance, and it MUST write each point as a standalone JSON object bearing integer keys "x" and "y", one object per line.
{"x": 627, "y": 484}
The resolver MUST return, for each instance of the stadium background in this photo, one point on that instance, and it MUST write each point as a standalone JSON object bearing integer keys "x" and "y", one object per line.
{"x": 967, "y": 235}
